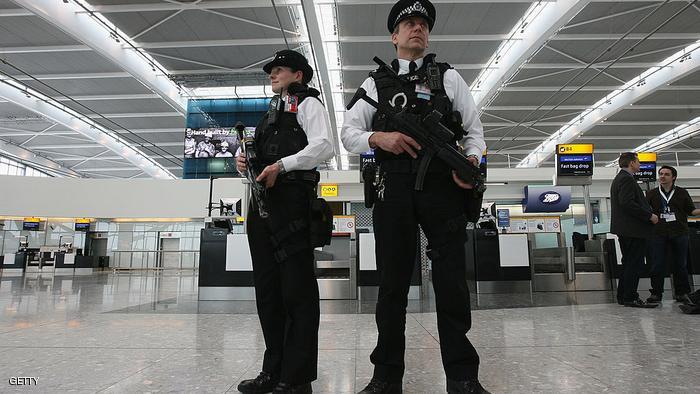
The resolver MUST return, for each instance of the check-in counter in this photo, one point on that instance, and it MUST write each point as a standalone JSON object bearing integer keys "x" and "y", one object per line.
{"x": 694, "y": 251}
{"x": 498, "y": 263}
{"x": 368, "y": 272}
{"x": 64, "y": 263}
{"x": 226, "y": 267}
{"x": 13, "y": 263}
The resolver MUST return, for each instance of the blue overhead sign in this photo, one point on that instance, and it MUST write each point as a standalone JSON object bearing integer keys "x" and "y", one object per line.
{"x": 546, "y": 199}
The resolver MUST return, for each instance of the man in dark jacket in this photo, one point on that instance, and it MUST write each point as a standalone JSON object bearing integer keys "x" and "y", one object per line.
{"x": 632, "y": 220}
{"x": 673, "y": 205}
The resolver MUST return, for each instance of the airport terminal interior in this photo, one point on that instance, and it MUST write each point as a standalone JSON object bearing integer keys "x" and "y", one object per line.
{"x": 125, "y": 265}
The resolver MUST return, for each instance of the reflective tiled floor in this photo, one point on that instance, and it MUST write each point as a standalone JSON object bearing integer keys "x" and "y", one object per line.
{"x": 147, "y": 333}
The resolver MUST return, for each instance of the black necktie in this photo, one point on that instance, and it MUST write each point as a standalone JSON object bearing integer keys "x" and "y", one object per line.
{"x": 412, "y": 67}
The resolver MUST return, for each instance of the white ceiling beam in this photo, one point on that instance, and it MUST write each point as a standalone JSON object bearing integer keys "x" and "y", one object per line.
{"x": 531, "y": 34}
{"x": 115, "y": 169}
{"x": 609, "y": 16}
{"x": 83, "y": 27}
{"x": 105, "y": 97}
{"x": 44, "y": 49}
{"x": 529, "y": 66}
{"x": 109, "y": 115}
{"x": 233, "y": 4}
{"x": 584, "y": 89}
{"x": 344, "y": 39}
{"x": 32, "y": 159}
{"x": 90, "y": 146}
{"x": 25, "y": 133}
{"x": 48, "y": 109}
{"x": 643, "y": 107}
{"x": 676, "y": 66}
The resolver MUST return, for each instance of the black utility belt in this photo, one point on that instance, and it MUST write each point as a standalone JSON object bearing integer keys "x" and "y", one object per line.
{"x": 301, "y": 176}
{"x": 402, "y": 166}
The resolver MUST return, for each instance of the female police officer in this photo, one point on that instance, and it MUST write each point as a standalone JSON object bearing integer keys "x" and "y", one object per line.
{"x": 291, "y": 140}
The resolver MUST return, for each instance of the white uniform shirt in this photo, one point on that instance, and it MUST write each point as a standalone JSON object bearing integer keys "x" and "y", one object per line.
{"x": 358, "y": 121}
{"x": 312, "y": 117}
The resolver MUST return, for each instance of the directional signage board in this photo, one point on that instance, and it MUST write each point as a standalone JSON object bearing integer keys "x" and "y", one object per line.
{"x": 647, "y": 168}
{"x": 574, "y": 160}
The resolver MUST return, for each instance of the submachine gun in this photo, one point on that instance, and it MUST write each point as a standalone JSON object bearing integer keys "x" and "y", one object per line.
{"x": 434, "y": 138}
{"x": 258, "y": 191}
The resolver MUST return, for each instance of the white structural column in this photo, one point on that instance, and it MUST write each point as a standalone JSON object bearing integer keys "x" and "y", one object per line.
{"x": 56, "y": 112}
{"x": 526, "y": 38}
{"x": 324, "y": 77}
{"x": 72, "y": 19}
{"x": 676, "y": 66}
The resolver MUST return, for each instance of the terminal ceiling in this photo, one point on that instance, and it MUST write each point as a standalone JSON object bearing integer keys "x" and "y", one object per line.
{"x": 224, "y": 43}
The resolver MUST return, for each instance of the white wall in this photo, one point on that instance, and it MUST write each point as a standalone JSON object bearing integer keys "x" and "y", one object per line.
{"x": 187, "y": 198}
{"x": 112, "y": 198}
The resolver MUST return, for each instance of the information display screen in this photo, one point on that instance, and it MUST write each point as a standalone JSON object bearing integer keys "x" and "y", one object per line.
{"x": 30, "y": 226}
{"x": 647, "y": 168}
{"x": 575, "y": 160}
{"x": 82, "y": 226}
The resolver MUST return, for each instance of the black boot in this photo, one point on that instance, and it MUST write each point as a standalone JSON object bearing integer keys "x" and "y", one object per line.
{"x": 286, "y": 388}
{"x": 465, "y": 387}
{"x": 377, "y": 386}
{"x": 264, "y": 383}
{"x": 654, "y": 299}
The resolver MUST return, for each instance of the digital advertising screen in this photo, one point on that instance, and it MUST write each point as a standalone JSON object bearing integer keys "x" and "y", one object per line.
{"x": 210, "y": 143}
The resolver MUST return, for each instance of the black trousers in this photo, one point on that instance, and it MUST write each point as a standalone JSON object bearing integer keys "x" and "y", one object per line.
{"x": 633, "y": 252}
{"x": 678, "y": 246}
{"x": 437, "y": 208}
{"x": 286, "y": 292}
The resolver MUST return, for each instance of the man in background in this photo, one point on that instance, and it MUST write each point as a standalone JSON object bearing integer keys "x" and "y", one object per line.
{"x": 673, "y": 205}
{"x": 632, "y": 220}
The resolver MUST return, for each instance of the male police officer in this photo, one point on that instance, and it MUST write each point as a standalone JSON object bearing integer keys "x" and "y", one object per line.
{"x": 439, "y": 207}
{"x": 291, "y": 141}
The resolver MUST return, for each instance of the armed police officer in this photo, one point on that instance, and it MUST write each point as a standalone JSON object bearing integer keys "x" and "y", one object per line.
{"x": 291, "y": 140}
{"x": 419, "y": 84}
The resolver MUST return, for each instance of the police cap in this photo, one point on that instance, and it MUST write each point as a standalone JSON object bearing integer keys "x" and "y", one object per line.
{"x": 405, "y": 8}
{"x": 294, "y": 60}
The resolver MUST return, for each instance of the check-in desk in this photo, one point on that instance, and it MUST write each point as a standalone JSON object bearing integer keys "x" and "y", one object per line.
{"x": 226, "y": 268}
{"x": 368, "y": 272}
{"x": 497, "y": 263}
{"x": 13, "y": 264}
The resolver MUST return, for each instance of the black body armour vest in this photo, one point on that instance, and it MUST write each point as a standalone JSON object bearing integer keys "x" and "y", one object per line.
{"x": 392, "y": 88}
{"x": 279, "y": 134}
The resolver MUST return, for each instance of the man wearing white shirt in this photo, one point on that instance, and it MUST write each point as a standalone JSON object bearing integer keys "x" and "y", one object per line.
{"x": 291, "y": 140}
{"x": 420, "y": 85}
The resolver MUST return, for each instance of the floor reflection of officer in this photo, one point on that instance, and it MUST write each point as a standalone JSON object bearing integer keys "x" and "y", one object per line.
{"x": 205, "y": 148}
{"x": 190, "y": 144}
{"x": 438, "y": 207}
{"x": 291, "y": 141}
{"x": 223, "y": 150}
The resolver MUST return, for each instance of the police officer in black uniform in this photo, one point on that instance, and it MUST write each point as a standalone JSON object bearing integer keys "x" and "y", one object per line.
{"x": 291, "y": 140}
{"x": 418, "y": 83}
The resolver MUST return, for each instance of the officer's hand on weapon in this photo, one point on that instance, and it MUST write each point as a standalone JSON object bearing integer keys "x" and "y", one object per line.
{"x": 395, "y": 143}
{"x": 241, "y": 163}
{"x": 464, "y": 185}
{"x": 269, "y": 175}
